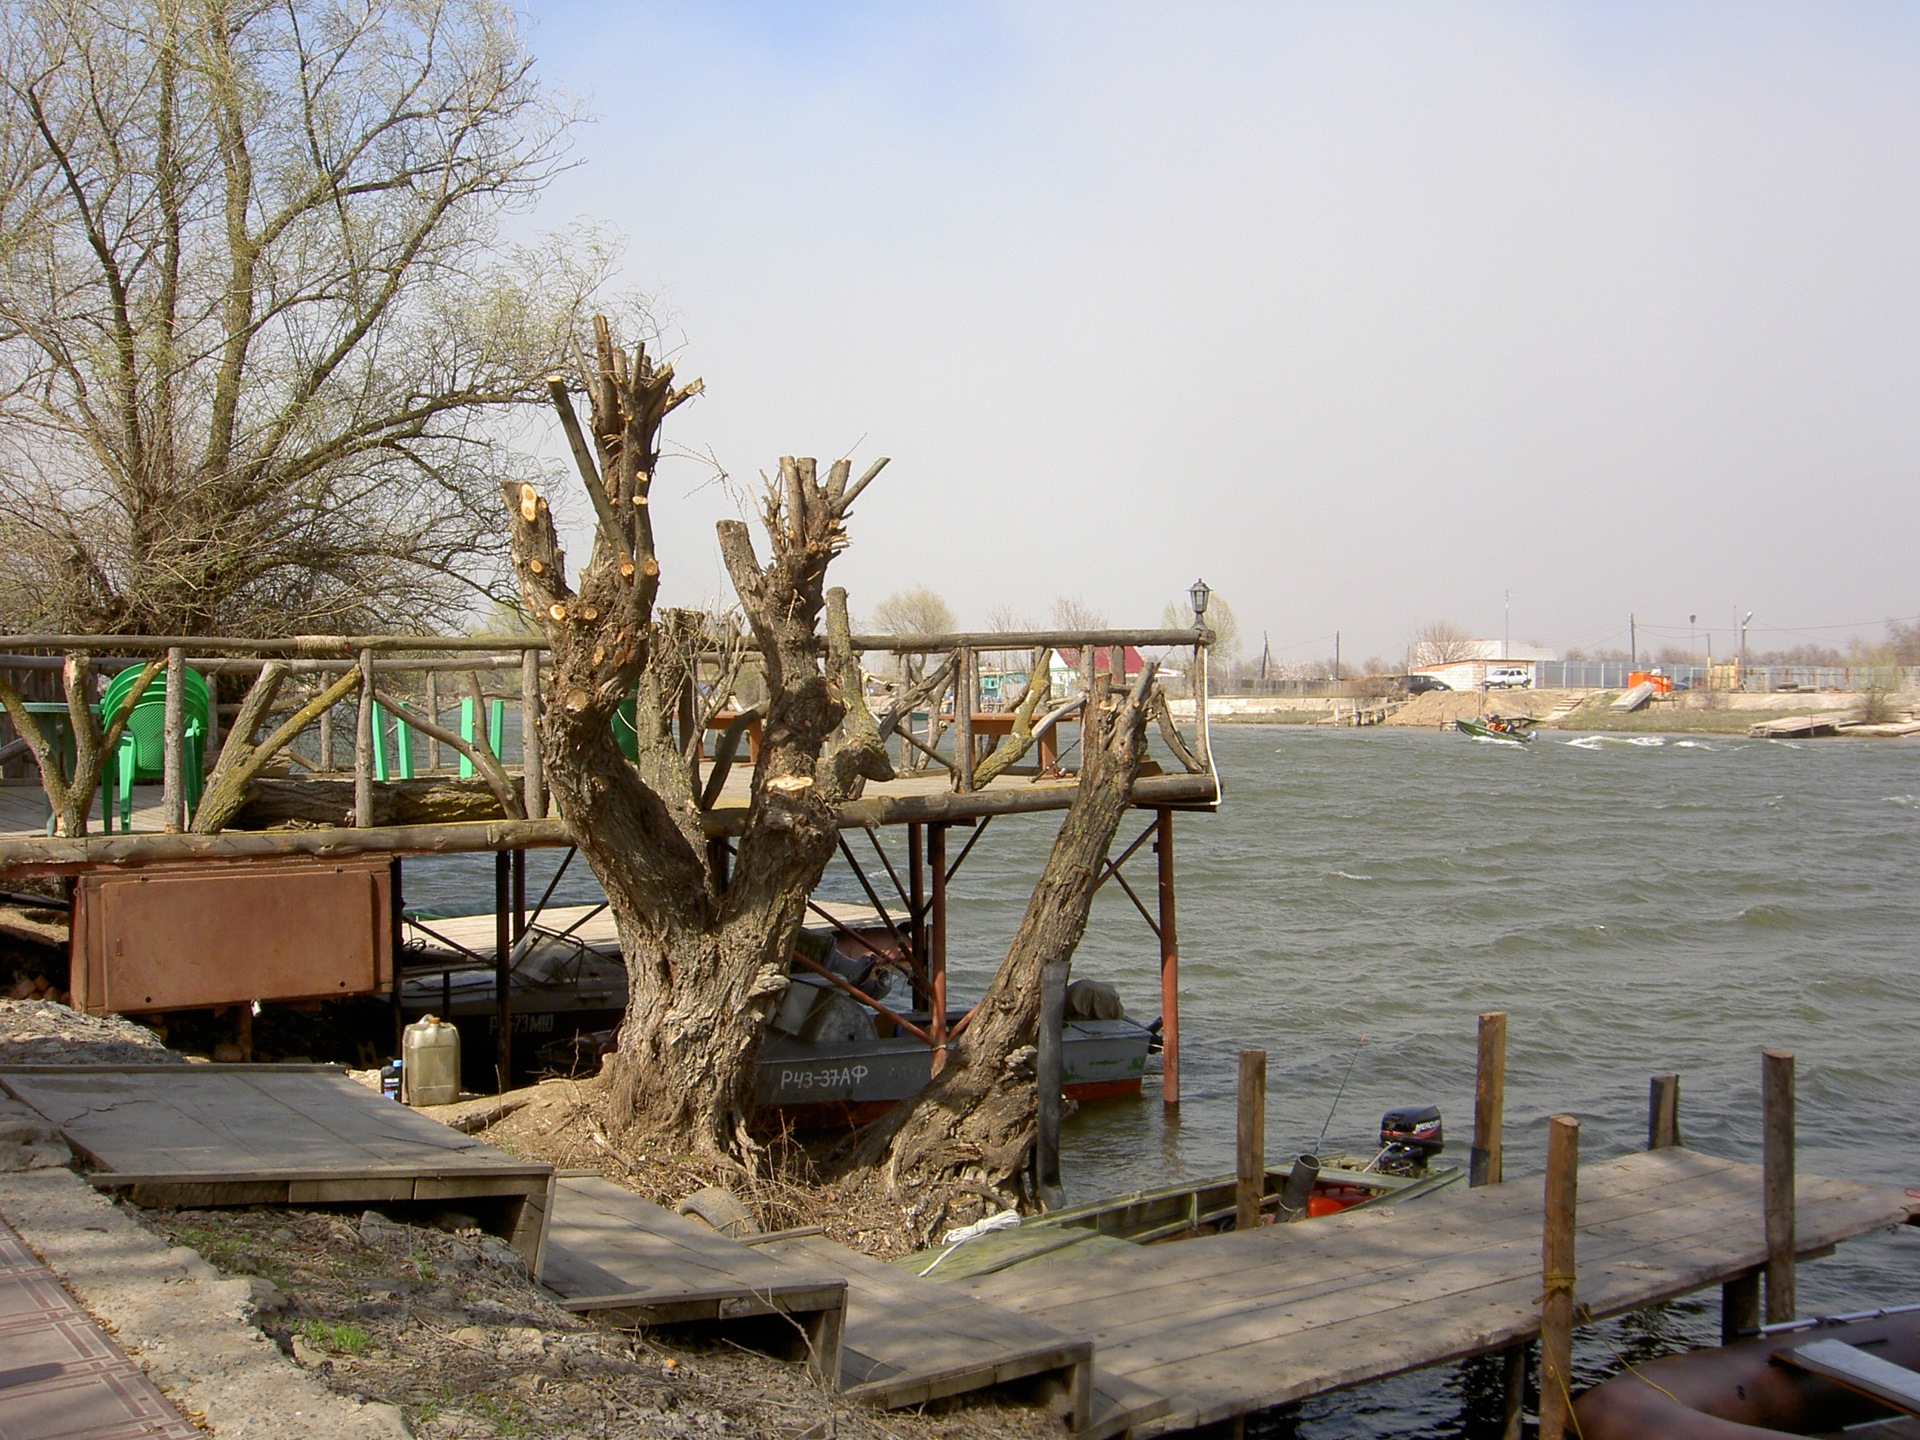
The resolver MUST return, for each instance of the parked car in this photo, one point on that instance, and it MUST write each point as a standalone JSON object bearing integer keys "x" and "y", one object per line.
{"x": 1421, "y": 684}
{"x": 1510, "y": 677}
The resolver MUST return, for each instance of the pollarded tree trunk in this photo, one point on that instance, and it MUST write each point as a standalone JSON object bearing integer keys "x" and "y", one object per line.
{"x": 971, "y": 1131}
{"x": 706, "y": 949}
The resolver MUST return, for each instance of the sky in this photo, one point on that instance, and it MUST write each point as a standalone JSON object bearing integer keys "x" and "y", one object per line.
{"x": 1369, "y": 314}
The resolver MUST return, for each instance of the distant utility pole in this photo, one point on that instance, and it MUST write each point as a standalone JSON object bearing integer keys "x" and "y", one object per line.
{"x": 1633, "y": 642}
{"x": 1745, "y": 620}
{"x": 1336, "y": 657}
{"x": 1506, "y": 632}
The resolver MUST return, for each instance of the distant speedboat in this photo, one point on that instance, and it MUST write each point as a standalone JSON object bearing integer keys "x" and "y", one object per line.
{"x": 1518, "y": 729}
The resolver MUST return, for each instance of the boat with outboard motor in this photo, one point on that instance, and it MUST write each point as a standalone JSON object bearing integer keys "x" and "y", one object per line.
{"x": 1403, "y": 1169}
{"x": 1517, "y": 729}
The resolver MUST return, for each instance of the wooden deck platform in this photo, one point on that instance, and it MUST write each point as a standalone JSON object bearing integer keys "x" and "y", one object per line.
{"x": 1230, "y": 1324}
{"x": 910, "y": 1341}
{"x": 612, "y": 1253}
{"x": 214, "y": 1135}
{"x": 25, "y": 847}
{"x": 464, "y": 940}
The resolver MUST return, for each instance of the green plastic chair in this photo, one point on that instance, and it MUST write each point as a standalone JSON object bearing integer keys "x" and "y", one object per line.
{"x": 141, "y": 755}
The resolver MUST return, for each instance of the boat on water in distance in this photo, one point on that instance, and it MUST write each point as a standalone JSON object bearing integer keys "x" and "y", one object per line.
{"x": 1517, "y": 729}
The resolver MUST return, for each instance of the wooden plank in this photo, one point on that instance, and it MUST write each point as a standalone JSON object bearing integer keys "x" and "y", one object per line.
{"x": 1892, "y": 1385}
{"x": 910, "y": 1341}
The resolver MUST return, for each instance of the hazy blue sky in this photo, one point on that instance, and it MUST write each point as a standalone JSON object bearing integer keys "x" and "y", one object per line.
{"x": 1366, "y": 313}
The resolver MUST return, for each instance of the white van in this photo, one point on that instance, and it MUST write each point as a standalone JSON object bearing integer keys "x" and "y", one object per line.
{"x": 1510, "y": 677}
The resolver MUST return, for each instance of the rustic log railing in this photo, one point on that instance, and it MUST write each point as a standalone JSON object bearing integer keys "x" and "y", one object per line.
{"x": 393, "y": 681}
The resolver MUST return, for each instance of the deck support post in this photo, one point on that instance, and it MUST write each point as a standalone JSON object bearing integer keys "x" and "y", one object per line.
{"x": 917, "y": 909}
{"x": 502, "y": 971}
{"x": 1557, "y": 1278}
{"x": 1169, "y": 964}
{"x": 937, "y": 946}
{"x": 1489, "y": 1100}
{"x": 1663, "y": 1112}
{"x": 396, "y": 937}
{"x": 363, "y": 743}
{"x": 519, "y": 894}
{"x": 1250, "y": 1154}
{"x": 1047, "y": 1077}
{"x": 1740, "y": 1308}
{"x": 1513, "y": 1389}
{"x": 173, "y": 755}
{"x": 1776, "y": 1070}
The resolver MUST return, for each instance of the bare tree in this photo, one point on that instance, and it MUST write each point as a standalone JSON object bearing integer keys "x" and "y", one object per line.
{"x": 1074, "y": 613}
{"x": 706, "y": 936}
{"x": 256, "y": 333}
{"x": 919, "y": 611}
{"x": 1219, "y": 618}
{"x": 1439, "y": 642}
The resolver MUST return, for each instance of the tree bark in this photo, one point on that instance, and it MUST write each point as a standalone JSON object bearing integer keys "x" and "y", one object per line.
{"x": 971, "y": 1132}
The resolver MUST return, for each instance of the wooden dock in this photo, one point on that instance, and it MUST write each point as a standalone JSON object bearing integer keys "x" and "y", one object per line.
{"x": 614, "y": 1254}
{"x": 214, "y": 1135}
{"x": 1226, "y": 1325}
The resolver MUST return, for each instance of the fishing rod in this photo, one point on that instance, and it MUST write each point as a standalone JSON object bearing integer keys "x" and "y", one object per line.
{"x": 1351, "y": 1059}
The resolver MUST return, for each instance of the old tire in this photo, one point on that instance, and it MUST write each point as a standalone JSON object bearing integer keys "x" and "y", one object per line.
{"x": 719, "y": 1209}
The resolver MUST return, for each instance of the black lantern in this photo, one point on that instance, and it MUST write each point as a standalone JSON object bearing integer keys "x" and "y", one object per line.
{"x": 1199, "y": 594}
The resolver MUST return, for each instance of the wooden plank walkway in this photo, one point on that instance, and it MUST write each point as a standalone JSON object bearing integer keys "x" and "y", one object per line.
{"x": 213, "y": 1135}
{"x": 1230, "y": 1324}
{"x": 595, "y": 931}
{"x": 910, "y": 1341}
{"x": 613, "y": 1253}
{"x": 61, "y": 1378}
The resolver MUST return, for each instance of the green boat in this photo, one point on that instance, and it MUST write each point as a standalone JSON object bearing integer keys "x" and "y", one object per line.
{"x": 1178, "y": 1212}
{"x": 1518, "y": 730}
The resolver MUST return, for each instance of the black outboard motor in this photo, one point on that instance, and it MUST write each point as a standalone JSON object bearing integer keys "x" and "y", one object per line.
{"x": 1411, "y": 1137}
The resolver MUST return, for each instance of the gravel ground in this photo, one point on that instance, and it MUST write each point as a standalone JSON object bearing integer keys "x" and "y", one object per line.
{"x": 42, "y": 1032}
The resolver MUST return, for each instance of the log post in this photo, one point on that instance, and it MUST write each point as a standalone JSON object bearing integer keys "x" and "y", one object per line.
{"x": 962, "y": 722}
{"x": 502, "y": 971}
{"x": 1740, "y": 1307}
{"x": 937, "y": 946}
{"x": 173, "y": 778}
{"x": 1169, "y": 964}
{"x": 1250, "y": 1155}
{"x": 1047, "y": 1077}
{"x": 326, "y": 740}
{"x": 1557, "y": 1278}
{"x": 1776, "y": 1103}
{"x": 363, "y": 740}
{"x": 1202, "y": 747}
{"x": 1663, "y": 1112}
{"x": 1489, "y": 1100}
{"x": 532, "y": 778}
{"x": 1513, "y": 1390}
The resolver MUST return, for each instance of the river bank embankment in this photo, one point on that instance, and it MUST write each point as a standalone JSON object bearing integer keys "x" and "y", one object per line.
{"x": 1700, "y": 712}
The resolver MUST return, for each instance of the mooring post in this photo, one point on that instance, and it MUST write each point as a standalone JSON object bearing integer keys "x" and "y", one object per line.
{"x": 1776, "y": 1103}
{"x": 1663, "y": 1113}
{"x": 1250, "y": 1166}
{"x": 502, "y": 970}
{"x": 1047, "y": 1076}
{"x": 1740, "y": 1307}
{"x": 363, "y": 747}
{"x": 173, "y": 755}
{"x": 1557, "y": 1277}
{"x": 1513, "y": 1390}
{"x": 1489, "y": 1100}
{"x": 937, "y": 946}
{"x": 1169, "y": 963}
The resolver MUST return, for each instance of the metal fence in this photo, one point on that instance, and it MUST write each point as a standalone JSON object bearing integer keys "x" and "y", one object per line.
{"x": 1764, "y": 679}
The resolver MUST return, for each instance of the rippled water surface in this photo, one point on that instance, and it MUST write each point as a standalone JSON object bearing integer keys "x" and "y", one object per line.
{"x": 1635, "y": 906}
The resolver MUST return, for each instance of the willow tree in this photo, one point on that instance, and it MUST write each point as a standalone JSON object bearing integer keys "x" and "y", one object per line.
{"x": 707, "y": 933}
{"x": 258, "y": 320}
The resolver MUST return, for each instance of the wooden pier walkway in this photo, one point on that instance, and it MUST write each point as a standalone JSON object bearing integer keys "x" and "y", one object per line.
{"x": 1226, "y": 1325}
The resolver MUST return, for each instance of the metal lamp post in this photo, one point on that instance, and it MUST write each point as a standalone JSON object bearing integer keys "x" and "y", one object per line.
{"x": 1199, "y": 594}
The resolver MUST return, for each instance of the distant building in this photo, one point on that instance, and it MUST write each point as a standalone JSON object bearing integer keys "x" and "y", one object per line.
{"x": 1474, "y": 659}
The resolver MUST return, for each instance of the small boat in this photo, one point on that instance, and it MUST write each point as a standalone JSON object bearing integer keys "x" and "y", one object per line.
{"x": 1805, "y": 1378}
{"x": 1402, "y": 1170}
{"x": 828, "y": 1061}
{"x": 1515, "y": 729}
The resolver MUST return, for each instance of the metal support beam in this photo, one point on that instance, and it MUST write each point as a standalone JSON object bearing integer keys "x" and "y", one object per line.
{"x": 1169, "y": 967}
{"x": 937, "y": 945}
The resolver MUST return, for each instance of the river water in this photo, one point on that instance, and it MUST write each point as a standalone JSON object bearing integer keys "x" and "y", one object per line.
{"x": 1635, "y": 905}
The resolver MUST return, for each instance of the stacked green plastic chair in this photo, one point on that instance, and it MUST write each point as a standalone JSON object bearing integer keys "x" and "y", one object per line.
{"x": 140, "y": 755}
